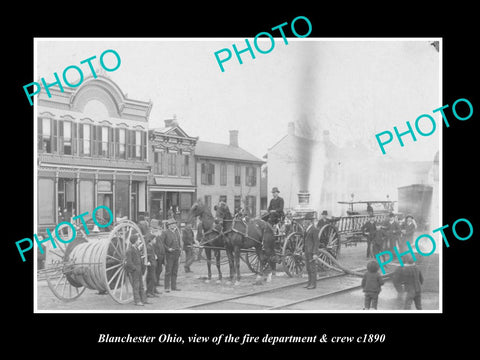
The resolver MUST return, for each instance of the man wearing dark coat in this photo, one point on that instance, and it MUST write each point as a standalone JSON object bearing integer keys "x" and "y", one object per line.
{"x": 151, "y": 268}
{"x": 407, "y": 229}
{"x": 392, "y": 232}
{"x": 159, "y": 250}
{"x": 171, "y": 242}
{"x": 413, "y": 280}
{"x": 323, "y": 220}
{"x": 312, "y": 244}
{"x": 188, "y": 240}
{"x": 135, "y": 267}
{"x": 369, "y": 229}
{"x": 275, "y": 208}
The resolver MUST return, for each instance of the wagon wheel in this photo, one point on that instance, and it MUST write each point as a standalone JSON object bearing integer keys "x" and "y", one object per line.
{"x": 253, "y": 262}
{"x": 117, "y": 280}
{"x": 329, "y": 241}
{"x": 293, "y": 259}
{"x": 59, "y": 270}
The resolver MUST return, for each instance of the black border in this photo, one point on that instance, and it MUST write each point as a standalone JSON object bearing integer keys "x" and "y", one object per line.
{"x": 455, "y": 25}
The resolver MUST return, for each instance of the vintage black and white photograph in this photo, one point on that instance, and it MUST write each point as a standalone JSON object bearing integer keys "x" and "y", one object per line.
{"x": 189, "y": 175}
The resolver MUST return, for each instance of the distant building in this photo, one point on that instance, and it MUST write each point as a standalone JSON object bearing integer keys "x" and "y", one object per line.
{"x": 228, "y": 173}
{"x": 171, "y": 185}
{"x": 332, "y": 174}
{"x": 91, "y": 149}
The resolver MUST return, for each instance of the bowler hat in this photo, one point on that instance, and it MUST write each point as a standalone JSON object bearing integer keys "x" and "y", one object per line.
{"x": 324, "y": 212}
{"x": 275, "y": 189}
{"x": 171, "y": 221}
{"x": 408, "y": 216}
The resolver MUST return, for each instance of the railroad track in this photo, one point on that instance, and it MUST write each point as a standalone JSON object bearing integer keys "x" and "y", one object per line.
{"x": 285, "y": 296}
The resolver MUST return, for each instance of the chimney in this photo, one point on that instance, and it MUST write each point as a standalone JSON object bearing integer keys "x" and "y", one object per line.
{"x": 291, "y": 128}
{"x": 234, "y": 138}
{"x": 171, "y": 122}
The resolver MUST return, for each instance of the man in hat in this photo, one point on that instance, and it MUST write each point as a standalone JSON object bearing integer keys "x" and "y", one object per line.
{"x": 392, "y": 232}
{"x": 159, "y": 251}
{"x": 135, "y": 268}
{"x": 323, "y": 220}
{"x": 312, "y": 243}
{"x": 171, "y": 242}
{"x": 369, "y": 229}
{"x": 407, "y": 229}
{"x": 275, "y": 208}
{"x": 188, "y": 240}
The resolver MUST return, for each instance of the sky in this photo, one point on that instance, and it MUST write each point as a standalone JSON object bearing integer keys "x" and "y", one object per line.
{"x": 353, "y": 89}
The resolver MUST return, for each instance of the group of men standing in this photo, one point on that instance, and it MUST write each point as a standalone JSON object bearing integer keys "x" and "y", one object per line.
{"x": 390, "y": 233}
{"x": 163, "y": 249}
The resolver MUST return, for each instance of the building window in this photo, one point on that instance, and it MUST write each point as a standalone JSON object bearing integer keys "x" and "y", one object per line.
{"x": 103, "y": 144}
{"x": 223, "y": 174}
{"x": 138, "y": 145}
{"x": 45, "y": 201}
{"x": 238, "y": 174}
{"x": 65, "y": 137}
{"x": 208, "y": 174}
{"x": 85, "y": 139}
{"x": 222, "y": 198}
{"x": 45, "y": 135}
{"x": 172, "y": 163}
{"x": 158, "y": 159}
{"x": 251, "y": 176}
{"x": 250, "y": 205}
{"x": 185, "y": 164}
{"x": 120, "y": 139}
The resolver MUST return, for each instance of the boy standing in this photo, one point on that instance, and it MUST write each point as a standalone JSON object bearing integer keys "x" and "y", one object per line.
{"x": 151, "y": 268}
{"x": 413, "y": 279}
{"x": 372, "y": 285}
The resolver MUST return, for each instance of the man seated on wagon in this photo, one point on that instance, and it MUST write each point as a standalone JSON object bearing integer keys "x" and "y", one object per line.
{"x": 275, "y": 208}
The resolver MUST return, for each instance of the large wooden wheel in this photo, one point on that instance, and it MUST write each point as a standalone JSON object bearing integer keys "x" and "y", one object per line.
{"x": 114, "y": 259}
{"x": 329, "y": 241}
{"x": 293, "y": 258}
{"x": 96, "y": 262}
{"x": 59, "y": 270}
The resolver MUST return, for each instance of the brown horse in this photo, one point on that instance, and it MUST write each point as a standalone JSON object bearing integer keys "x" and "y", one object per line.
{"x": 212, "y": 235}
{"x": 241, "y": 234}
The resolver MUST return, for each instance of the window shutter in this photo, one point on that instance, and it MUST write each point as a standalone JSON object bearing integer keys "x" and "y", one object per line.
{"x": 40, "y": 133}
{"x": 117, "y": 143}
{"x": 80, "y": 139}
{"x": 144, "y": 145}
{"x": 111, "y": 143}
{"x": 54, "y": 136}
{"x": 74, "y": 138}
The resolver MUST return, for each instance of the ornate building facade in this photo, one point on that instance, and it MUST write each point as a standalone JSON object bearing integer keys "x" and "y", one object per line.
{"x": 171, "y": 184}
{"x": 92, "y": 151}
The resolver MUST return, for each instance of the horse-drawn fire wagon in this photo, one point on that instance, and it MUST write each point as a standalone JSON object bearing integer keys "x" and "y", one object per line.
{"x": 343, "y": 230}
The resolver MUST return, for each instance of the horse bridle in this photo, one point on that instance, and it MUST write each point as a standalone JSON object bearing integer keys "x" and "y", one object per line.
{"x": 238, "y": 231}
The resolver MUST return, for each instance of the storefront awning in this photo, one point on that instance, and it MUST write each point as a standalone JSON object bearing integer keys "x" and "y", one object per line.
{"x": 171, "y": 188}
